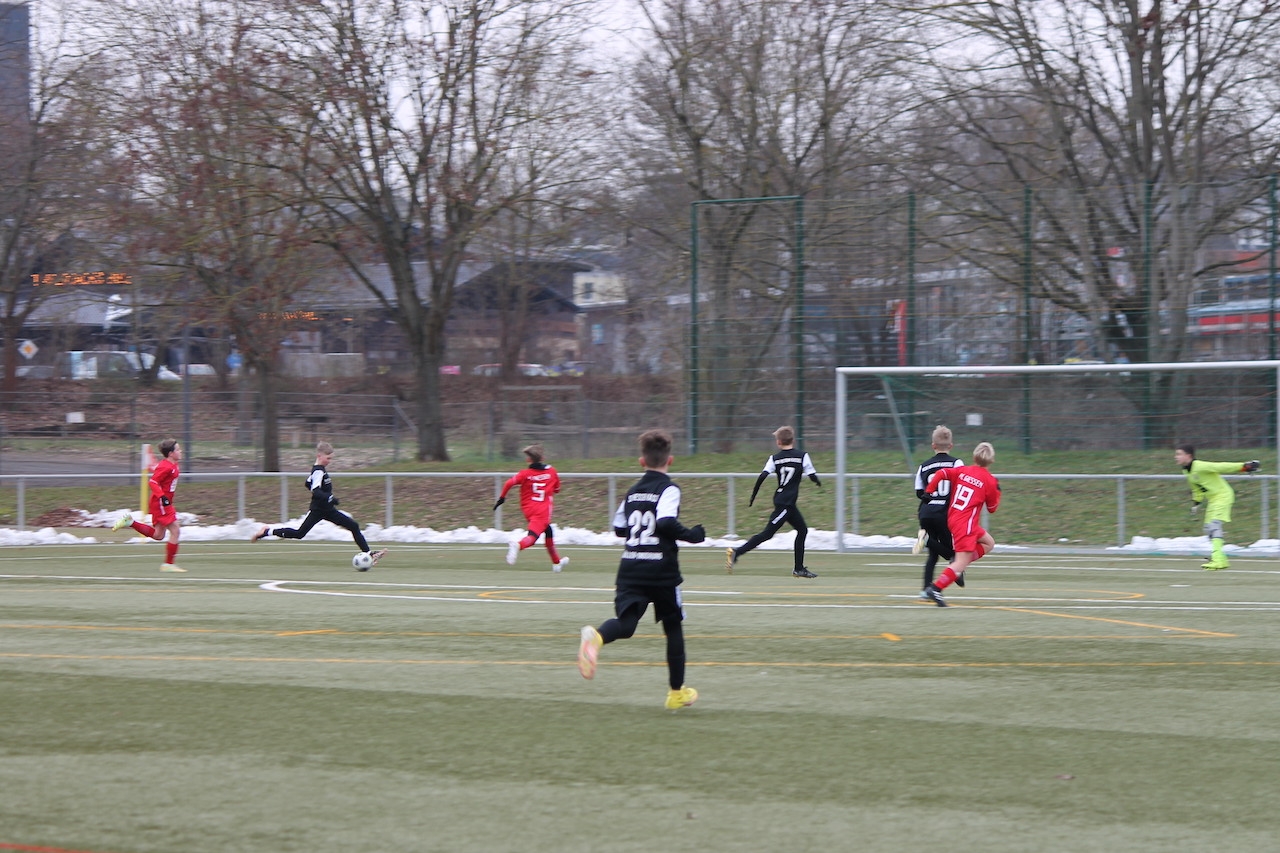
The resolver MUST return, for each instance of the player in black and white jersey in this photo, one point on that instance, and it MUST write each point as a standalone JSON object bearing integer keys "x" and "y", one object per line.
{"x": 932, "y": 513}
{"x": 649, "y": 572}
{"x": 324, "y": 507}
{"x": 789, "y": 464}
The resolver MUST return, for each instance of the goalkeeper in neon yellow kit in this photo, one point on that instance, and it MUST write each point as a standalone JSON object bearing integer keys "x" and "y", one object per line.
{"x": 1206, "y": 483}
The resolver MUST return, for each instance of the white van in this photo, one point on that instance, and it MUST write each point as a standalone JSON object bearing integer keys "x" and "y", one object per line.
{"x": 100, "y": 364}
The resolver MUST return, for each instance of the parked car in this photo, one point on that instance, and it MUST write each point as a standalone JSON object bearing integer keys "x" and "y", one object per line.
{"x": 99, "y": 364}
{"x": 34, "y": 371}
{"x": 569, "y": 368}
{"x": 522, "y": 369}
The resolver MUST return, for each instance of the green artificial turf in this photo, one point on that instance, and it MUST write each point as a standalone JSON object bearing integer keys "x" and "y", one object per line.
{"x": 274, "y": 700}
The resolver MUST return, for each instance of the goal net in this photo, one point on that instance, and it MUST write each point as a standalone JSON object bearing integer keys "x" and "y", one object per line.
{"x": 1069, "y": 408}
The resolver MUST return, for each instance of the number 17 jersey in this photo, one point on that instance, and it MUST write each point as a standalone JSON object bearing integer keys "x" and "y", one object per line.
{"x": 791, "y": 466}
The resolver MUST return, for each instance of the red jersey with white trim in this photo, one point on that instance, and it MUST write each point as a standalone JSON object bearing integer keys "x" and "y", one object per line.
{"x": 538, "y": 486}
{"x": 972, "y": 487}
{"x": 164, "y": 479}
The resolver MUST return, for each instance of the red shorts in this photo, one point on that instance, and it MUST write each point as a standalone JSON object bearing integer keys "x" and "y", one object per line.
{"x": 162, "y": 515}
{"x": 967, "y": 541}
{"x": 538, "y": 523}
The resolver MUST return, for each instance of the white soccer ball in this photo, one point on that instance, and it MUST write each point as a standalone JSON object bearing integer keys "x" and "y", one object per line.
{"x": 362, "y": 562}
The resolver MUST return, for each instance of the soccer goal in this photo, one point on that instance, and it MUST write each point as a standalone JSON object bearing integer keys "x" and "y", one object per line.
{"x": 1064, "y": 407}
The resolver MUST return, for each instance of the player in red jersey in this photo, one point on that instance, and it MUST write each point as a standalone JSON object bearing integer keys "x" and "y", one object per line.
{"x": 164, "y": 515}
{"x": 539, "y": 484}
{"x": 972, "y": 488}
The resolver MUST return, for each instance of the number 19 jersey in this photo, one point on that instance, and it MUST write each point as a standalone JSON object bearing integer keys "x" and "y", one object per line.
{"x": 972, "y": 488}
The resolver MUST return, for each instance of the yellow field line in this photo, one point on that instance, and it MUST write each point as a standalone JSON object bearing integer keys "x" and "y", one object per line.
{"x": 1115, "y": 621}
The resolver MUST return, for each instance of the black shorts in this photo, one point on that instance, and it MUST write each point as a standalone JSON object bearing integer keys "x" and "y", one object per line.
{"x": 666, "y": 600}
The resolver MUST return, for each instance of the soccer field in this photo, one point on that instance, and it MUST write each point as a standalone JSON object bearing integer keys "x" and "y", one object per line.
{"x": 275, "y": 700}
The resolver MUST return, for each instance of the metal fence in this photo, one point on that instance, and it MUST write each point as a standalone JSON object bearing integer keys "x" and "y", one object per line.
{"x": 719, "y": 499}
{"x": 782, "y": 290}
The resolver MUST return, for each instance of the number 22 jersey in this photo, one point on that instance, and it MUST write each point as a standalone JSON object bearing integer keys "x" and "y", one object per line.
{"x": 648, "y": 556}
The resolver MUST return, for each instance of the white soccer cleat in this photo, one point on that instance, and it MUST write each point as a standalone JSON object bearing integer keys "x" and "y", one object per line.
{"x": 122, "y": 522}
{"x": 920, "y": 540}
{"x": 564, "y": 561}
{"x": 589, "y": 651}
{"x": 512, "y": 550}
{"x": 170, "y": 567}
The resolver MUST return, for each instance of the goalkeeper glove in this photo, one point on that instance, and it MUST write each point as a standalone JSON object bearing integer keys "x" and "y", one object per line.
{"x": 498, "y": 503}
{"x": 1195, "y": 508}
{"x": 165, "y": 503}
{"x": 696, "y": 534}
{"x": 1251, "y": 466}
{"x": 333, "y": 501}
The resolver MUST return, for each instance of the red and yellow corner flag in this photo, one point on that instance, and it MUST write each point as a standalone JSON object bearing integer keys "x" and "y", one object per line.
{"x": 148, "y": 464}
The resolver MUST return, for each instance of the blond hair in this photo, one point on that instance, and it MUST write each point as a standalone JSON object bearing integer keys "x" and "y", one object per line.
{"x": 535, "y": 453}
{"x": 984, "y": 454}
{"x": 324, "y": 448}
{"x": 942, "y": 437}
{"x": 785, "y": 435}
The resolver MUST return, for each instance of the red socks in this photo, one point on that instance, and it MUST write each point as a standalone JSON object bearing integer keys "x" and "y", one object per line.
{"x": 946, "y": 579}
{"x": 170, "y": 551}
{"x": 145, "y": 529}
{"x": 551, "y": 549}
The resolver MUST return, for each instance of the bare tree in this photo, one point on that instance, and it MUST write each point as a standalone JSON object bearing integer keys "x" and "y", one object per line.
{"x": 48, "y": 190}
{"x": 424, "y": 122}
{"x": 1142, "y": 132}
{"x": 212, "y": 209}
{"x": 739, "y": 99}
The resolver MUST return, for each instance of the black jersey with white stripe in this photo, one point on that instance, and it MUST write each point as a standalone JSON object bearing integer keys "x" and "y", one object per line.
{"x": 320, "y": 486}
{"x": 935, "y": 506}
{"x": 791, "y": 466}
{"x": 650, "y": 553}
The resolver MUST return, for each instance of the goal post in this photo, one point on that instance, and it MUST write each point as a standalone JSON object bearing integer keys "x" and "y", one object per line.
{"x": 1105, "y": 409}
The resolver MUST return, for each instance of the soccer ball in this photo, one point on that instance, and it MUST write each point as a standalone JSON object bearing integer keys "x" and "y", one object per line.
{"x": 362, "y": 562}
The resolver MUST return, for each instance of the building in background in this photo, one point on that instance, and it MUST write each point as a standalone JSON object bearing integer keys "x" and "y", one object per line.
{"x": 15, "y": 66}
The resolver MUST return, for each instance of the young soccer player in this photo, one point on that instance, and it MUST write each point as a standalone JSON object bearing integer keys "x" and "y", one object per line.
{"x": 1205, "y": 479}
{"x": 972, "y": 487}
{"x": 649, "y": 572}
{"x": 788, "y": 464}
{"x": 324, "y": 507}
{"x": 932, "y": 512}
{"x": 539, "y": 484}
{"x": 164, "y": 515}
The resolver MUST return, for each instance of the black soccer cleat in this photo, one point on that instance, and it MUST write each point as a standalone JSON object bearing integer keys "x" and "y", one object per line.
{"x": 931, "y": 592}
{"x": 803, "y": 572}
{"x": 960, "y": 580}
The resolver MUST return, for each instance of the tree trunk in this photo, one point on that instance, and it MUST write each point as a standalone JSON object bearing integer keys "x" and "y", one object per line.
{"x": 9, "y": 342}
{"x": 431, "y": 438}
{"x": 270, "y": 417}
